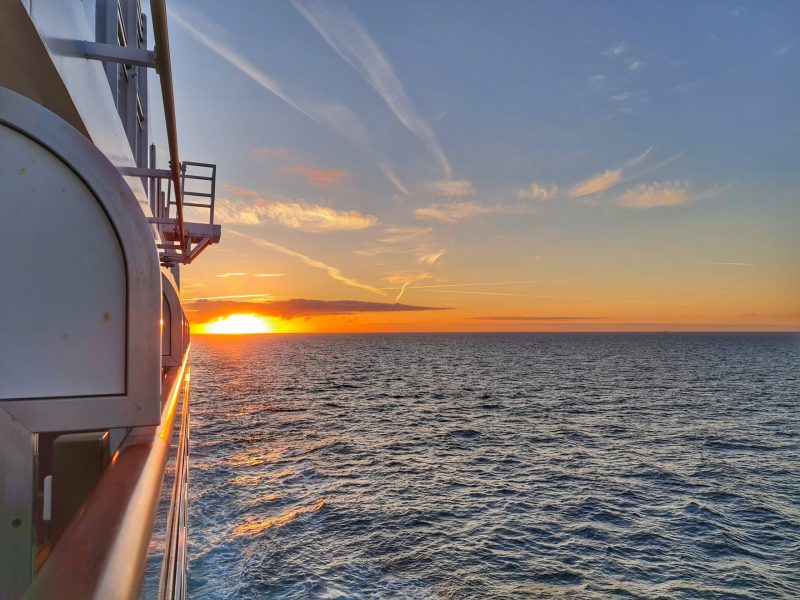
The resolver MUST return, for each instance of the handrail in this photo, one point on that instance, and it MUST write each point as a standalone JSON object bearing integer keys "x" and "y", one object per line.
{"x": 172, "y": 583}
{"x": 103, "y": 552}
{"x": 158, "y": 8}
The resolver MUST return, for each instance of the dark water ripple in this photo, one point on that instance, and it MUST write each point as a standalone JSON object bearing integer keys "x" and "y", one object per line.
{"x": 496, "y": 466}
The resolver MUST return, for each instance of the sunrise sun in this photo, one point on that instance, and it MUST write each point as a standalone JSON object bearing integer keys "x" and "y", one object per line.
{"x": 239, "y": 323}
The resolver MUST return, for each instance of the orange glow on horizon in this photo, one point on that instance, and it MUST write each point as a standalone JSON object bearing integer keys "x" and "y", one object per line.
{"x": 238, "y": 323}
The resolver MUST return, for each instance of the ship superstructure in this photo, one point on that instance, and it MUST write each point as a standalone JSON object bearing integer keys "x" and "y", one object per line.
{"x": 94, "y": 342}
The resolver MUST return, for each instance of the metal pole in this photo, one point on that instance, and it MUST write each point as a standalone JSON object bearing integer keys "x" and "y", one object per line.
{"x": 152, "y": 187}
{"x": 158, "y": 8}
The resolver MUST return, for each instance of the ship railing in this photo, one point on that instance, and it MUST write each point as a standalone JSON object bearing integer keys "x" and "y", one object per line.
{"x": 103, "y": 552}
{"x": 181, "y": 240}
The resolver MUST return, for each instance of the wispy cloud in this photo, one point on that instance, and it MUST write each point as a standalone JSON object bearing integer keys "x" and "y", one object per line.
{"x": 313, "y": 217}
{"x": 332, "y": 272}
{"x": 405, "y": 279}
{"x": 240, "y": 274}
{"x": 667, "y": 193}
{"x": 491, "y": 283}
{"x": 297, "y": 215}
{"x": 402, "y": 291}
{"x": 452, "y": 212}
{"x": 204, "y": 309}
{"x": 636, "y": 65}
{"x": 538, "y": 192}
{"x": 729, "y": 264}
{"x": 403, "y": 234}
{"x": 597, "y": 183}
{"x": 314, "y": 175}
{"x": 450, "y": 188}
{"x": 644, "y": 196}
{"x": 228, "y": 297}
{"x": 606, "y": 179}
{"x": 431, "y": 258}
{"x": 622, "y": 97}
{"x": 351, "y": 41}
{"x": 542, "y": 318}
{"x": 335, "y": 117}
{"x": 229, "y": 212}
{"x": 617, "y": 50}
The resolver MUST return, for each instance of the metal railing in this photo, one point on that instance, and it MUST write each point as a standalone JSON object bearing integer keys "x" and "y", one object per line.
{"x": 172, "y": 583}
{"x": 103, "y": 552}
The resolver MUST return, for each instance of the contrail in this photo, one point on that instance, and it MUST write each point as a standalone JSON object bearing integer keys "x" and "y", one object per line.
{"x": 351, "y": 41}
{"x": 241, "y": 63}
{"x": 335, "y": 117}
{"x": 402, "y": 291}
{"x": 333, "y": 272}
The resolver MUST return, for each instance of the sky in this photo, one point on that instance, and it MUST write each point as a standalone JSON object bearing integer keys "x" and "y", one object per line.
{"x": 476, "y": 166}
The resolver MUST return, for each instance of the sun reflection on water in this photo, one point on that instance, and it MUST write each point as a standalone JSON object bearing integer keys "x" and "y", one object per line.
{"x": 256, "y": 527}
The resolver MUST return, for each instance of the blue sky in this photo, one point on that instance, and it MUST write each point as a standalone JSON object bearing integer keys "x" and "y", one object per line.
{"x": 646, "y": 150}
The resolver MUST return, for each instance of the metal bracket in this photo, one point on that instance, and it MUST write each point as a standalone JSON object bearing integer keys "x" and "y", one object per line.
{"x": 145, "y": 172}
{"x": 119, "y": 54}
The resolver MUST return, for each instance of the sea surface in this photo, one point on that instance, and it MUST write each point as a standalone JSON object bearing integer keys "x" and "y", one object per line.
{"x": 495, "y": 466}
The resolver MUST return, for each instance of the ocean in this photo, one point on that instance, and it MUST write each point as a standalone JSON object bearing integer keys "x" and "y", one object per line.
{"x": 495, "y": 466}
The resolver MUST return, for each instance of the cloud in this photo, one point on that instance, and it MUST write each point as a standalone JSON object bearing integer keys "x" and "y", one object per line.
{"x": 607, "y": 179}
{"x": 451, "y": 212}
{"x": 335, "y": 117}
{"x": 402, "y": 291}
{"x": 623, "y": 101}
{"x": 204, "y": 310}
{"x": 618, "y": 98}
{"x": 598, "y": 183}
{"x": 231, "y": 212}
{"x": 315, "y": 176}
{"x": 617, "y": 50}
{"x": 729, "y": 264}
{"x": 538, "y": 192}
{"x": 406, "y": 278}
{"x": 597, "y": 79}
{"x": 450, "y": 188}
{"x": 471, "y": 284}
{"x": 313, "y": 217}
{"x": 429, "y": 259}
{"x": 404, "y": 234}
{"x": 239, "y": 274}
{"x": 228, "y": 297}
{"x": 667, "y": 193}
{"x": 297, "y": 215}
{"x": 351, "y": 41}
{"x": 548, "y": 318}
{"x": 654, "y": 195}
{"x": 636, "y": 65}
{"x": 333, "y": 272}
